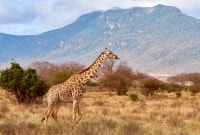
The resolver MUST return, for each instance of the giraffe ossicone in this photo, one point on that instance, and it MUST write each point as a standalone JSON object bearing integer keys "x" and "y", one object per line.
{"x": 71, "y": 90}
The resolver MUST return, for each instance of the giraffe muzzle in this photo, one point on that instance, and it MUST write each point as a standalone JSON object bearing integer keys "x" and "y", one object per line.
{"x": 116, "y": 57}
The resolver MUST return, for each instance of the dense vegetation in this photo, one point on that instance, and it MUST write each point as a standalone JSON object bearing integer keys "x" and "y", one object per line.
{"x": 25, "y": 84}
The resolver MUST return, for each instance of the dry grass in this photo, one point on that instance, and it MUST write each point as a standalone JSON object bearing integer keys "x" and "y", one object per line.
{"x": 164, "y": 114}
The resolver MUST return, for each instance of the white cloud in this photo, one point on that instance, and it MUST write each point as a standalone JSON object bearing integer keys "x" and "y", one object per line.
{"x": 36, "y": 16}
{"x": 15, "y": 13}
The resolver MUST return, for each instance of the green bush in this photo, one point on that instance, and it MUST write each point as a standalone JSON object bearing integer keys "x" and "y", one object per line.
{"x": 25, "y": 84}
{"x": 178, "y": 94}
{"x": 133, "y": 97}
{"x": 92, "y": 84}
{"x": 61, "y": 77}
{"x": 195, "y": 88}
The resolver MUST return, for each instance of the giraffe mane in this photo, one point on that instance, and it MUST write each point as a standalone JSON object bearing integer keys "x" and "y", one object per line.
{"x": 90, "y": 65}
{"x": 84, "y": 70}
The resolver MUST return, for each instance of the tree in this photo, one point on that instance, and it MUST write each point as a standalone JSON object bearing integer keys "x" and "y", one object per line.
{"x": 195, "y": 88}
{"x": 173, "y": 87}
{"x": 125, "y": 70}
{"x": 25, "y": 84}
{"x": 107, "y": 68}
{"x": 118, "y": 80}
{"x": 185, "y": 77}
{"x": 48, "y": 70}
{"x": 61, "y": 77}
{"x": 149, "y": 86}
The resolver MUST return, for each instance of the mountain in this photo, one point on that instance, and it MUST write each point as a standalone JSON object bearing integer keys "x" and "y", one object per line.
{"x": 157, "y": 39}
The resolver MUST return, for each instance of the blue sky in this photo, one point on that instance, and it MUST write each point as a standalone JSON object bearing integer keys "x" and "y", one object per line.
{"x": 25, "y": 17}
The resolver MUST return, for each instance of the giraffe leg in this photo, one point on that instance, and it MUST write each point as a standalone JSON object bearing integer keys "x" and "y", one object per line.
{"x": 54, "y": 116}
{"x": 47, "y": 114}
{"x": 76, "y": 110}
{"x": 79, "y": 114}
{"x": 75, "y": 103}
{"x": 55, "y": 111}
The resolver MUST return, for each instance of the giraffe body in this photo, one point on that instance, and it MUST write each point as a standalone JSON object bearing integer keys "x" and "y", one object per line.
{"x": 63, "y": 92}
{"x": 71, "y": 91}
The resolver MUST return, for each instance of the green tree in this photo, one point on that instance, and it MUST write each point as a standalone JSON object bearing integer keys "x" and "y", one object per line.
{"x": 25, "y": 84}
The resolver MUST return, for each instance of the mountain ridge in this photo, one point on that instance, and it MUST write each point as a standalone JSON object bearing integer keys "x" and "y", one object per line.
{"x": 151, "y": 39}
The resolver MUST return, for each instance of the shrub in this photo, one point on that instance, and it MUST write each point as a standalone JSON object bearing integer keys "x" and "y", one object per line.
{"x": 118, "y": 82}
{"x": 172, "y": 87}
{"x": 150, "y": 85}
{"x": 25, "y": 84}
{"x": 134, "y": 97}
{"x": 195, "y": 88}
{"x": 61, "y": 77}
{"x": 122, "y": 91}
{"x": 178, "y": 94}
{"x": 92, "y": 84}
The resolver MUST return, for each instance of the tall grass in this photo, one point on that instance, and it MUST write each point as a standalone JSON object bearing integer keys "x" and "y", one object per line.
{"x": 103, "y": 114}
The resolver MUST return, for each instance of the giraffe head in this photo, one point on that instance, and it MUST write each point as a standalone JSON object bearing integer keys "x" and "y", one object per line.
{"x": 109, "y": 54}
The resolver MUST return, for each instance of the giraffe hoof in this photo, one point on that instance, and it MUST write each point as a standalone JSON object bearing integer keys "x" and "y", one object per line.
{"x": 78, "y": 120}
{"x": 42, "y": 119}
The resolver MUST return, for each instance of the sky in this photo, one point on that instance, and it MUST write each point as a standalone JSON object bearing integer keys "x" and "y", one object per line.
{"x": 31, "y": 17}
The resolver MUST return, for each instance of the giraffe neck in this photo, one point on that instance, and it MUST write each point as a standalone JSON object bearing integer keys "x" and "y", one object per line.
{"x": 89, "y": 72}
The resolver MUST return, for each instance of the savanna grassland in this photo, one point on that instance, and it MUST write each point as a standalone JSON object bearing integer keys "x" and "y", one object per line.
{"x": 162, "y": 114}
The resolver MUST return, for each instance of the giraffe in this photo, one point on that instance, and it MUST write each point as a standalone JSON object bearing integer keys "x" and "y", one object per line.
{"x": 71, "y": 90}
